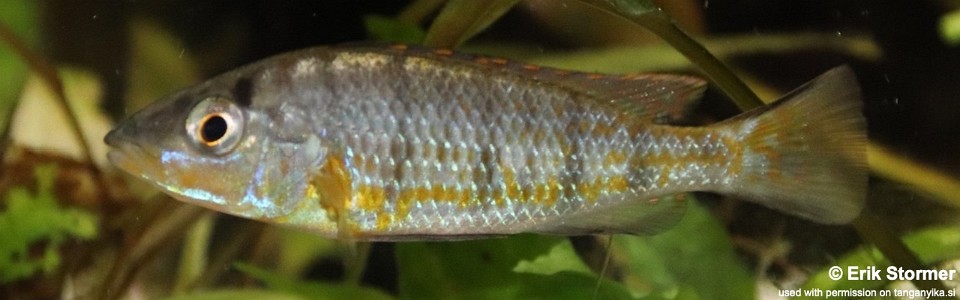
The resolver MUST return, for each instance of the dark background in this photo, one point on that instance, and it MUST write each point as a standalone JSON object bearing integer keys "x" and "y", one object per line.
{"x": 910, "y": 94}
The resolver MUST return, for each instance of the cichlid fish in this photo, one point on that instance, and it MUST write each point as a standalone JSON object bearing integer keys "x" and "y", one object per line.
{"x": 395, "y": 143}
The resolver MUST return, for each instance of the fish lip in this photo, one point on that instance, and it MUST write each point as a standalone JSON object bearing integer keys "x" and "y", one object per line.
{"x": 121, "y": 148}
{"x": 114, "y": 138}
{"x": 128, "y": 155}
{"x": 123, "y": 156}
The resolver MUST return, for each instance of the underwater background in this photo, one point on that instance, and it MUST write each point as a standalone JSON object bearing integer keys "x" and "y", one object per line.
{"x": 73, "y": 227}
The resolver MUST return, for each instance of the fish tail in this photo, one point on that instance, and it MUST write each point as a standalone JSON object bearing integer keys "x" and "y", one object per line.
{"x": 806, "y": 153}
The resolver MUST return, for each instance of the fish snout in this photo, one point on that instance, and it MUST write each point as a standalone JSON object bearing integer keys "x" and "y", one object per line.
{"x": 113, "y": 138}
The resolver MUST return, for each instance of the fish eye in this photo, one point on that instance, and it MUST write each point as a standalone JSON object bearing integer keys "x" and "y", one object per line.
{"x": 213, "y": 128}
{"x": 215, "y": 125}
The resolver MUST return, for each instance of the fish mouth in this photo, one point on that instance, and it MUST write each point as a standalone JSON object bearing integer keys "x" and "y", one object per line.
{"x": 128, "y": 156}
{"x": 113, "y": 138}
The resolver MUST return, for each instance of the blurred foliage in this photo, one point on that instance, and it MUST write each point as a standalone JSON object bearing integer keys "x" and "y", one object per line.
{"x": 660, "y": 264}
{"x": 21, "y": 17}
{"x": 459, "y": 20}
{"x": 950, "y": 28}
{"x": 36, "y": 220}
{"x": 240, "y": 294}
{"x": 393, "y": 30}
{"x": 311, "y": 290}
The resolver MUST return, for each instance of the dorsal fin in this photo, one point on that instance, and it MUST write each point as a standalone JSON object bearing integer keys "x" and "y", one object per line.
{"x": 658, "y": 98}
{"x": 651, "y": 97}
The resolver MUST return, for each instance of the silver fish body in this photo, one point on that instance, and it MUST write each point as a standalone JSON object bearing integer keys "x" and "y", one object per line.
{"x": 395, "y": 143}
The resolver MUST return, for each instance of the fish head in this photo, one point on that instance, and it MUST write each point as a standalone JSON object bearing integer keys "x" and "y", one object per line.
{"x": 208, "y": 146}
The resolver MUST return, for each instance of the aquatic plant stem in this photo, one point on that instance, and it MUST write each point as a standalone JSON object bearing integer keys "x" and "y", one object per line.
{"x": 460, "y": 20}
{"x": 660, "y": 24}
{"x": 193, "y": 255}
{"x": 49, "y": 74}
{"x": 418, "y": 10}
{"x": 887, "y": 164}
{"x": 871, "y": 228}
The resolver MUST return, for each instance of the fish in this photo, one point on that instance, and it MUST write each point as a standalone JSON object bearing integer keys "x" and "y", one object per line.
{"x": 398, "y": 142}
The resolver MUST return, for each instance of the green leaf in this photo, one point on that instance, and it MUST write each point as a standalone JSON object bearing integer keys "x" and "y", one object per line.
{"x": 561, "y": 274}
{"x": 560, "y": 258}
{"x": 695, "y": 259}
{"x": 462, "y": 19}
{"x": 299, "y": 248}
{"x": 393, "y": 30}
{"x": 569, "y": 285}
{"x": 311, "y": 290}
{"x": 33, "y": 218}
{"x": 950, "y": 28}
{"x": 21, "y": 17}
{"x": 237, "y": 294}
{"x": 468, "y": 269}
{"x": 159, "y": 63}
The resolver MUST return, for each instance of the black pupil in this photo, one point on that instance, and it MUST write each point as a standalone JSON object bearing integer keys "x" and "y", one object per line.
{"x": 214, "y": 128}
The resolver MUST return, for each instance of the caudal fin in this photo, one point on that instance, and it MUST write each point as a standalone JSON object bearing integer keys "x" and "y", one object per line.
{"x": 806, "y": 153}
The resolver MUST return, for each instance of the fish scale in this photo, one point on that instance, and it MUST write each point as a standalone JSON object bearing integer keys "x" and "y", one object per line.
{"x": 401, "y": 143}
{"x": 515, "y": 153}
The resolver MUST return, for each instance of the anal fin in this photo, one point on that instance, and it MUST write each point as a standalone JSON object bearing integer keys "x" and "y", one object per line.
{"x": 631, "y": 214}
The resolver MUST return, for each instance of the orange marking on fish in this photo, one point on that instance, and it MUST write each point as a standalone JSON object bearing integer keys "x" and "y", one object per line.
{"x": 499, "y": 61}
{"x": 591, "y": 191}
{"x": 357, "y": 160}
{"x": 614, "y": 157}
{"x": 191, "y": 177}
{"x": 530, "y": 67}
{"x": 332, "y": 185}
{"x": 404, "y": 198}
{"x": 540, "y": 193}
{"x": 680, "y": 197}
{"x": 539, "y": 135}
{"x": 554, "y": 190}
{"x": 594, "y": 76}
{"x": 456, "y": 155}
{"x": 371, "y": 198}
{"x": 497, "y": 194}
{"x": 604, "y": 130}
{"x": 398, "y": 47}
{"x": 585, "y": 126}
{"x": 407, "y": 197}
{"x": 618, "y": 184}
{"x": 441, "y": 153}
{"x": 443, "y": 52}
{"x": 664, "y": 175}
{"x": 513, "y": 187}
{"x": 526, "y": 194}
{"x": 736, "y": 156}
{"x": 447, "y": 194}
{"x": 466, "y": 195}
{"x": 384, "y": 220}
{"x": 471, "y": 154}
